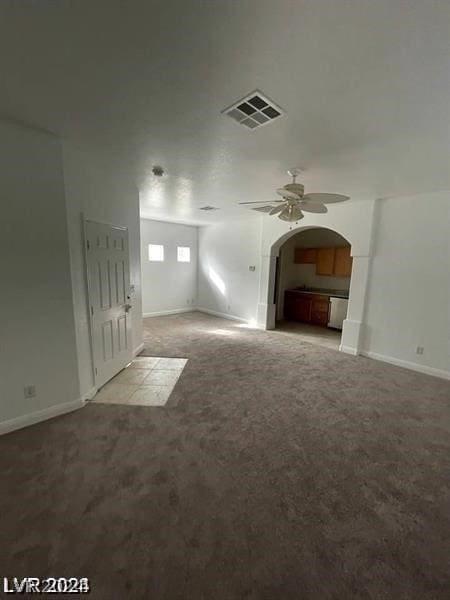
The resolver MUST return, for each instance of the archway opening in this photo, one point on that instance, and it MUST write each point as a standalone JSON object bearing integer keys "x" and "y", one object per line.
{"x": 312, "y": 285}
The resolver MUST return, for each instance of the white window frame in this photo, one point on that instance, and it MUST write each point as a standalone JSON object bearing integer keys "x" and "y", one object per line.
{"x": 182, "y": 256}
{"x": 156, "y": 253}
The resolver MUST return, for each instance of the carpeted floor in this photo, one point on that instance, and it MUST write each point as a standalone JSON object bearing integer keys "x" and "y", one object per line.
{"x": 278, "y": 470}
{"x": 315, "y": 334}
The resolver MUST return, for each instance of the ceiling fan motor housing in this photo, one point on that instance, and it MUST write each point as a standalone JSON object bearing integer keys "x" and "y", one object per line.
{"x": 297, "y": 188}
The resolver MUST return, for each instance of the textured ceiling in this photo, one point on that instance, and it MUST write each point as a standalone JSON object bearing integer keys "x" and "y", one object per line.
{"x": 365, "y": 85}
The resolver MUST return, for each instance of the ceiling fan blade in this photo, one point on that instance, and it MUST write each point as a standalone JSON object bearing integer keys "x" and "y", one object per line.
{"x": 277, "y": 209}
{"x": 262, "y": 202}
{"x": 313, "y": 207}
{"x": 288, "y": 194}
{"x": 325, "y": 198}
{"x": 263, "y": 209}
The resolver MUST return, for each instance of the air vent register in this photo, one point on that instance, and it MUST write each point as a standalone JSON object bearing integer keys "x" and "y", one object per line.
{"x": 254, "y": 110}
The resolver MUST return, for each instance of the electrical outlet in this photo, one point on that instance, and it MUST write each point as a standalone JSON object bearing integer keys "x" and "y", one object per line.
{"x": 29, "y": 391}
{"x": 420, "y": 350}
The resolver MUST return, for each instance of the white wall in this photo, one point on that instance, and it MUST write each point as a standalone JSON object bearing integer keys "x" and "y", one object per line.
{"x": 353, "y": 220}
{"x": 168, "y": 286}
{"x": 226, "y": 285}
{"x": 37, "y": 331}
{"x": 104, "y": 194}
{"x": 409, "y": 290}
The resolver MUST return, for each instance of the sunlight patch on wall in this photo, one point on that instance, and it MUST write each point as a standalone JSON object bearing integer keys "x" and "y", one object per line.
{"x": 217, "y": 281}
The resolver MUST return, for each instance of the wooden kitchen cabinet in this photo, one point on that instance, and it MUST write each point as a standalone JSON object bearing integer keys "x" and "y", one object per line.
{"x": 320, "y": 307}
{"x": 319, "y": 318}
{"x": 303, "y": 309}
{"x": 307, "y": 308}
{"x": 342, "y": 262}
{"x": 325, "y": 261}
{"x": 305, "y": 256}
{"x": 329, "y": 261}
{"x": 297, "y": 306}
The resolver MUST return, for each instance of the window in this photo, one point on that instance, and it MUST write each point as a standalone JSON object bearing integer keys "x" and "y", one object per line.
{"x": 155, "y": 252}
{"x": 183, "y": 254}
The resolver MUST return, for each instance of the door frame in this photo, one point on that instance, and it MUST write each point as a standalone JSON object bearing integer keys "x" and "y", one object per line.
{"x": 84, "y": 220}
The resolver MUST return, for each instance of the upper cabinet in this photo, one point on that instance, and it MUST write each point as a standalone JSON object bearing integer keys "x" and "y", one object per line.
{"x": 342, "y": 262}
{"x": 325, "y": 261}
{"x": 328, "y": 261}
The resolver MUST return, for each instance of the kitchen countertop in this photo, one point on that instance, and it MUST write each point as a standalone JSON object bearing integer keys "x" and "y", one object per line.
{"x": 318, "y": 292}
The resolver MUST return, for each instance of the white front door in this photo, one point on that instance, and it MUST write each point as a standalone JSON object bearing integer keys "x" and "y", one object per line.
{"x": 108, "y": 272}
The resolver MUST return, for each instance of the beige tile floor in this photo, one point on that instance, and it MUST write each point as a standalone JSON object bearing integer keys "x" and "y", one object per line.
{"x": 147, "y": 381}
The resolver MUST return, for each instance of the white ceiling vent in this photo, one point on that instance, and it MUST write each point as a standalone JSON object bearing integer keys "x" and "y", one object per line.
{"x": 208, "y": 208}
{"x": 254, "y": 110}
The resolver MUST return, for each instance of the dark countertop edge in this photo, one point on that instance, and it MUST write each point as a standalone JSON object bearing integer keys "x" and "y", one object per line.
{"x": 330, "y": 294}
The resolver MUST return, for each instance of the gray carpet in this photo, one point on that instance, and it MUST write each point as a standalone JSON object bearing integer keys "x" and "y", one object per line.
{"x": 279, "y": 470}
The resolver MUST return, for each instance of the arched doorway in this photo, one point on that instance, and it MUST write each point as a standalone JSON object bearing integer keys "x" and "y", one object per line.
{"x": 357, "y": 232}
{"x": 312, "y": 285}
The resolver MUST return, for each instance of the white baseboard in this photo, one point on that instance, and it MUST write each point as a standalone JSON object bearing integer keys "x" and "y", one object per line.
{"x": 222, "y": 315}
{"x": 40, "y": 415}
{"x": 349, "y": 350}
{"x": 90, "y": 394}
{"x": 163, "y": 313}
{"x": 406, "y": 364}
{"x": 139, "y": 349}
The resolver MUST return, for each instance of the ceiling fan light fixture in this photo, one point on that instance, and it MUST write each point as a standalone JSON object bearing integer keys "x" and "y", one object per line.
{"x": 277, "y": 209}
{"x": 291, "y": 213}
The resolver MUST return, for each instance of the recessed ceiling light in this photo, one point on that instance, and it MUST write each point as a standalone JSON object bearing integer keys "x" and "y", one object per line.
{"x": 254, "y": 110}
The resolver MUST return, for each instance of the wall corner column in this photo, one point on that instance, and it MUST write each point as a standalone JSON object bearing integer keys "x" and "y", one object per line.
{"x": 353, "y": 326}
{"x": 265, "y": 315}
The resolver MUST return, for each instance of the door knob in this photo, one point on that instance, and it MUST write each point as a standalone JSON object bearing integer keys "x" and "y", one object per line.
{"x": 128, "y": 307}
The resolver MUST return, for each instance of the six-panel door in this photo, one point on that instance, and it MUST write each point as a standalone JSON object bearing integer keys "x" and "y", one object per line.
{"x": 109, "y": 289}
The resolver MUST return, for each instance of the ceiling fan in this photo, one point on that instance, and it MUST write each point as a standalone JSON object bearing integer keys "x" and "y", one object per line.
{"x": 295, "y": 201}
